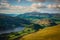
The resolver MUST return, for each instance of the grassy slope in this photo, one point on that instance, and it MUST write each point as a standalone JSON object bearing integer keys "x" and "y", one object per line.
{"x": 50, "y": 33}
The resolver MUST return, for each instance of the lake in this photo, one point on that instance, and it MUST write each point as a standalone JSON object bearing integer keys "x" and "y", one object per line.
{"x": 13, "y": 30}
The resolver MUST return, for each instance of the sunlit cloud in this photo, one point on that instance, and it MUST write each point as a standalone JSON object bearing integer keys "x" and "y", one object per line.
{"x": 39, "y": 5}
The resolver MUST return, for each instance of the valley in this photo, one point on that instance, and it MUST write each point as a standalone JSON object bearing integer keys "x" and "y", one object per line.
{"x": 13, "y": 28}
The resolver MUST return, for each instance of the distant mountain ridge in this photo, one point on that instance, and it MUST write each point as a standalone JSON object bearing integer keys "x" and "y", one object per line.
{"x": 22, "y": 20}
{"x": 4, "y": 14}
{"x": 38, "y": 14}
{"x": 37, "y": 17}
{"x": 34, "y": 16}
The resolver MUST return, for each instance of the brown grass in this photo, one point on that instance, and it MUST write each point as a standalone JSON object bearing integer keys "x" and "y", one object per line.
{"x": 50, "y": 33}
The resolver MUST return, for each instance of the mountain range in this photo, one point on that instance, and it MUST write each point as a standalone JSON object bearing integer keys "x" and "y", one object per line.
{"x": 9, "y": 22}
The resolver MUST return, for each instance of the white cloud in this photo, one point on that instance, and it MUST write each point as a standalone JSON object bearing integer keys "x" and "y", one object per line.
{"x": 38, "y": 5}
{"x": 18, "y": 1}
{"x": 33, "y": 7}
{"x": 53, "y": 6}
{"x": 58, "y": 5}
{"x": 50, "y": 8}
{"x": 4, "y": 4}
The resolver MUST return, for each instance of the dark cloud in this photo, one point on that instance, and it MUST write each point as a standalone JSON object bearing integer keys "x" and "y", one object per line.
{"x": 56, "y": 1}
{"x": 39, "y": 0}
{"x": 36, "y": 0}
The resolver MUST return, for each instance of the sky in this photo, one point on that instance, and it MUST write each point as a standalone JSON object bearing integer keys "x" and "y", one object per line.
{"x": 23, "y": 6}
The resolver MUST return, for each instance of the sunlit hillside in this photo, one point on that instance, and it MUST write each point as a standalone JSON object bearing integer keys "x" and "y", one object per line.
{"x": 45, "y": 22}
{"x": 50, "y": 33}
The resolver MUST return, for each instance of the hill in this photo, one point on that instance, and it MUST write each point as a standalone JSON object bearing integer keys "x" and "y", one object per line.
{"x": 12, "y": 15}
{"x": 50, "y": 33}
{"x": 39, "y": 15}
{"x": 9, "y": 23}
{"x": 35, "y": 16}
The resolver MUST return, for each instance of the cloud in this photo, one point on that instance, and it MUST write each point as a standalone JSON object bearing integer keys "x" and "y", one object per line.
{"x": 4, "y": 4}
{"x": 12, "y": 9}
{"x": 50, "y": 8}
{"x": 33, "y": 7}
{"x": 18, "y": 1}
{"x": 36, "y": 0}
{"x": 5, "y": 7}
{"x": 57, "y": 0}
{"x": 3, "y": 1}
{"x": 38, "y": 5}
{"x": 59, "y": 6}
{"x": 53, "y": 6}
{"x": 54, "y": 1}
